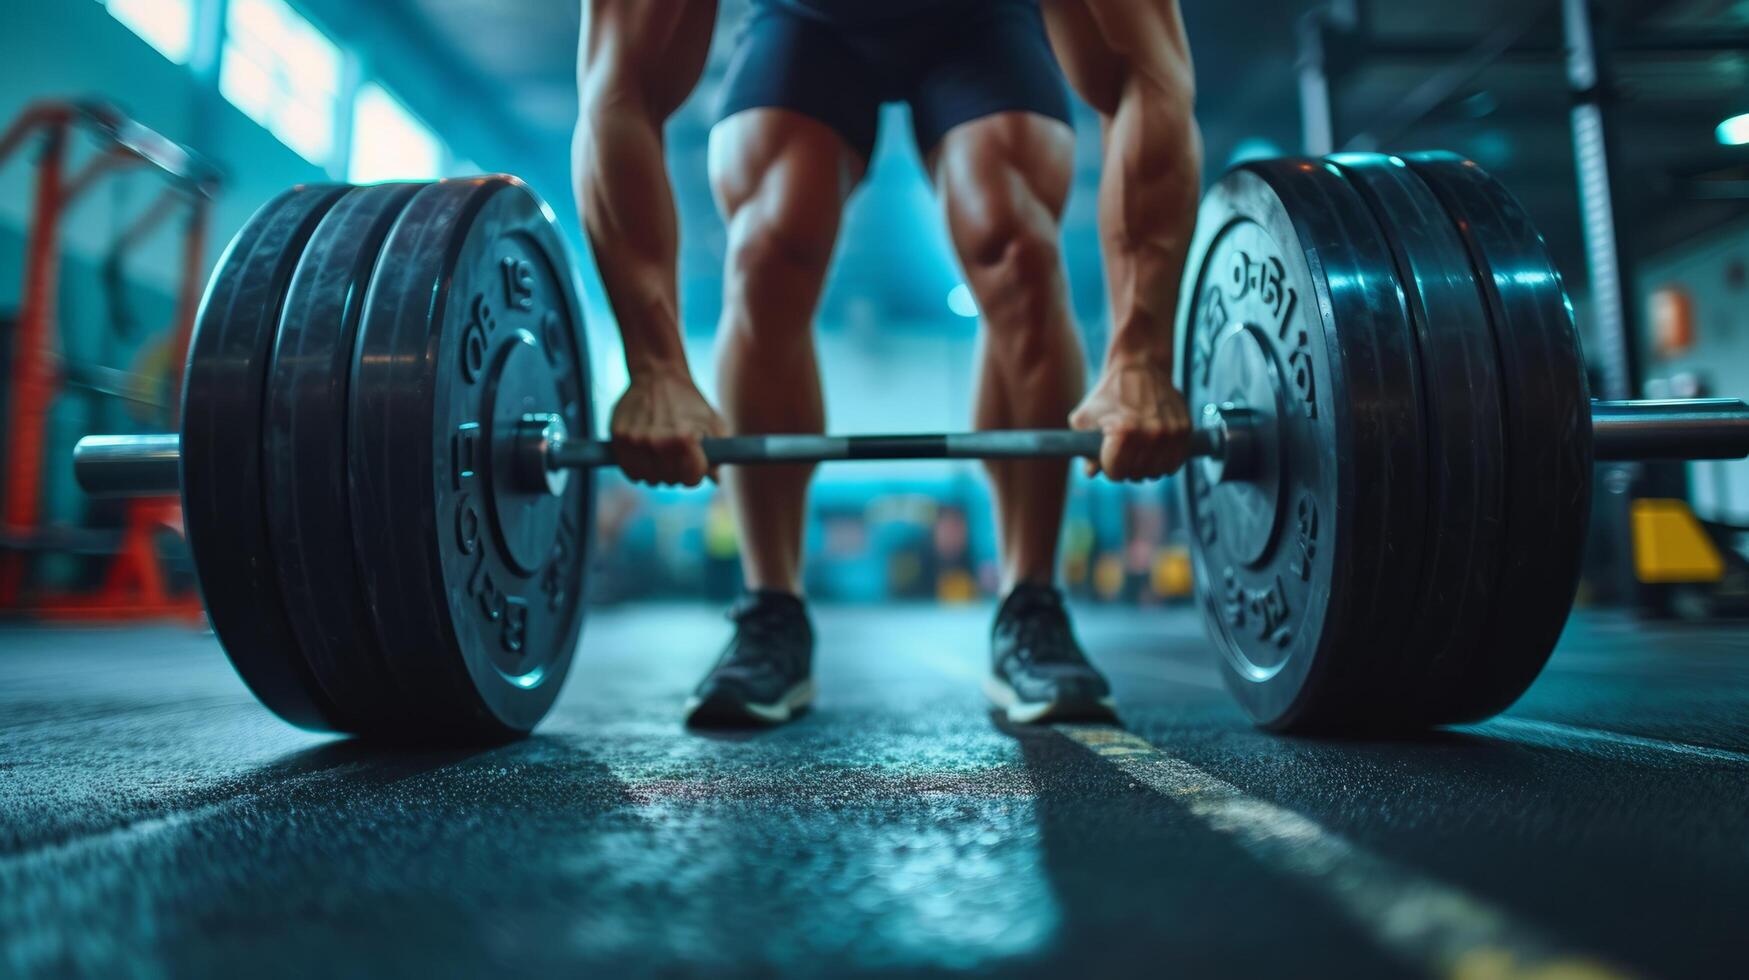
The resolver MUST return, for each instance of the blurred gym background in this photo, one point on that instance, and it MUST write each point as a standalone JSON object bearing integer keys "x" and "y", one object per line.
{"x": 143, "y": 132}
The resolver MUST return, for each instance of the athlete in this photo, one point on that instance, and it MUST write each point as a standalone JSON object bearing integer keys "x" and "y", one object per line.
{"x": 796, "y": 125}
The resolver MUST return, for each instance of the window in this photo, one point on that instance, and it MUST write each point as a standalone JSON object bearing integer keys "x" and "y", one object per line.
{"x": 389, "y": 142}
{"x": 283, "y": 73}
{"x": 167, "y": 25}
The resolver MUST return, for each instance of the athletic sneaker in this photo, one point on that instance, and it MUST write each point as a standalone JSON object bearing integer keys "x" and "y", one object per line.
{"x": 763, "y": 677}
{"x": 1038, "y": 672}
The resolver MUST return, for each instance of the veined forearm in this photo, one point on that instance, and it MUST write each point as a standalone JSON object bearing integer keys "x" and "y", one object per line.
{"x": 1147, "y": 210}
{"x": 628, "y": 214}
{"x": 636, "y": 63}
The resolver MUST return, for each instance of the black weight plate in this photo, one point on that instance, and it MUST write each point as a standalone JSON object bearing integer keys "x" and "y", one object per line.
{"x": 1548, "y": 451}
{"x": 304, "y": 451}
{"x": 1287, "y": 279}
{"x": 476, "y": 587}
{"x": 222, "y": 488}
{"x": 1460, "y": 377}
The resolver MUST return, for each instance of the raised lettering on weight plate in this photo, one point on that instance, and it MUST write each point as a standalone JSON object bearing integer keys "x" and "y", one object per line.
{"x": 477, "y": 338}
{"x": 1206, "y": 528}
{"x": 467, "y": 526}
{"x": 464, "y": 453}
{"x": 518, "y": 283}
{"x": 1232, "y": 598}
{"x": 1266, "y": 277}
{"x": 1305, "y": 538}
{"x": 552, "y": 341}
{"x": 514, "y": 636}
{"x": 556, "y": 576}
{"x": 1301, "y": 376}
{"x": 1210, "y": 321}
{"x": 1269, "y": 611}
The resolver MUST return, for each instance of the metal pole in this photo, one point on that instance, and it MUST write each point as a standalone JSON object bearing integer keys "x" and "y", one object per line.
{"x": 1696, "y": 428}
{"x": 1613, "y": 313}
{"x": 1614, "y": 338}
{"x": 1317, "y": 115}
{"x": 149, "y": 464}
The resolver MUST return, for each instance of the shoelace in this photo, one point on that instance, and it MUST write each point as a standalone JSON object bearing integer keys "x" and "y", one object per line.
{"x": 1041, "y": 629}
{"x": 767, "y": 631}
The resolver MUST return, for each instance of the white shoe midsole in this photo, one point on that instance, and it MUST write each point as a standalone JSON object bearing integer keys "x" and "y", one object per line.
{"x": 797, "y": 697}
{"x": 1021, "y": 712}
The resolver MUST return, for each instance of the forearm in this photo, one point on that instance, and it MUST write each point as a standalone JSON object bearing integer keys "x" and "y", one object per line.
{"x": 628, "y": 215}
{"x": 1147, "y": 210}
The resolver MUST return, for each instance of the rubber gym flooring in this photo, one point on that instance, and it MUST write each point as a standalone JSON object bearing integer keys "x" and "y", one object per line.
{"x": 154, "y": 821}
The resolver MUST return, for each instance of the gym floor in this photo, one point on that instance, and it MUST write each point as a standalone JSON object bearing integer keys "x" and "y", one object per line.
{"x": 155, "y": 820}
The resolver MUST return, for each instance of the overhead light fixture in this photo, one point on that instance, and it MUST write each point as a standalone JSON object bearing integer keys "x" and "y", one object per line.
{"x": 1734, "y": 131}
{"x": 959, "y": 300}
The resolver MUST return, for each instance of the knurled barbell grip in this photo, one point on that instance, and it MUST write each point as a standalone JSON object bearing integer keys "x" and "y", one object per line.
{"x": 992, "y": 444}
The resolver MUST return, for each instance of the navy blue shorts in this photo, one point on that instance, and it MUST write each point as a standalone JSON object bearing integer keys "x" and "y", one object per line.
{"x": 838, "y": 61}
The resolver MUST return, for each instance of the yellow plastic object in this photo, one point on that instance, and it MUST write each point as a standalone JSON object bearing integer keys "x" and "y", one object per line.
{"x": 1172, "y": 577}
{"x": 956, "y": 585}
{"x": 1108, "y": 576}
{"x": 1671, "y": 546}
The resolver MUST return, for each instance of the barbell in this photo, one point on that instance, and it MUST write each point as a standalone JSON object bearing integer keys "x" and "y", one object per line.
{"x": 386, "y": 401}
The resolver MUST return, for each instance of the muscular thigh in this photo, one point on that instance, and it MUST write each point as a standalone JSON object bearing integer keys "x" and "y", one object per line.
{"x": 1003, "y": 175}
{"x": 794, "y": 171}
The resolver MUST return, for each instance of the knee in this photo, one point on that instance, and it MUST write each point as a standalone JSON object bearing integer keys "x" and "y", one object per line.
{"x": 1015, "y": 266}
{"x": 772, "y": 240}
{"x": 777, "y": 254}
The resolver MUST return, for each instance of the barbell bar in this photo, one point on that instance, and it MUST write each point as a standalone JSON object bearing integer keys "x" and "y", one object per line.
{"x": 147, "y": 465}
{"x": 1643, "y": 430}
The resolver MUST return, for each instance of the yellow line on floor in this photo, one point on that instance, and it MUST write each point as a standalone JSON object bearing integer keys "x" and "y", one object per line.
{"x": 1423, "y": 922}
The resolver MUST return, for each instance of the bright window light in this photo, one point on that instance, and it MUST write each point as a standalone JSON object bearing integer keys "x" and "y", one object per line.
{"x": 389, "y": 142}
{"x": 959, "y": 300}
{"x": 167, "y": 25}
{"x": 1734, "y": 131}
{"x": 283, "y": 73}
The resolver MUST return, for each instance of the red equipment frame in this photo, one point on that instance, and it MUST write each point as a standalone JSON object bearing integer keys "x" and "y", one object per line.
{"x": 134, "y": 586}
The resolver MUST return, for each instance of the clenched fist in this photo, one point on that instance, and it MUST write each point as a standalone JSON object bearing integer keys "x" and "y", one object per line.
{"x": 1144, "y": 418}
{"x": 658, "y": 429}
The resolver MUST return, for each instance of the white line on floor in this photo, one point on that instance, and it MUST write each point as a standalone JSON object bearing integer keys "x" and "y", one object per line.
{"x": 107, "y": 842}
{"x": 1559, "y": 735}
{"x": 1433, "y": 926}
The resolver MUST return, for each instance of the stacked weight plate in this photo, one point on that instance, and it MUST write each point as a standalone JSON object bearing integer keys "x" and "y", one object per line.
{"x": 369, "y": 562}
{"x": 1381, "y": 318}
{"x": 1547, "y": 438}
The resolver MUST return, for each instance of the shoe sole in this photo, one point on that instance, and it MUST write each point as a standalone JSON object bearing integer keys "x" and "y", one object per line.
{"x": 724, "y": 711}
{"x": 1023, "y": 712}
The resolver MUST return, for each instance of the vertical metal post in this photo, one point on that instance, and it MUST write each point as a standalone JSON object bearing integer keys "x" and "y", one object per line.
{"x": 1317, "y": 115}
{"x": 209, "y": 33}
{"x": 1615, "y": 338}
{"x": 1614, "y": 313}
